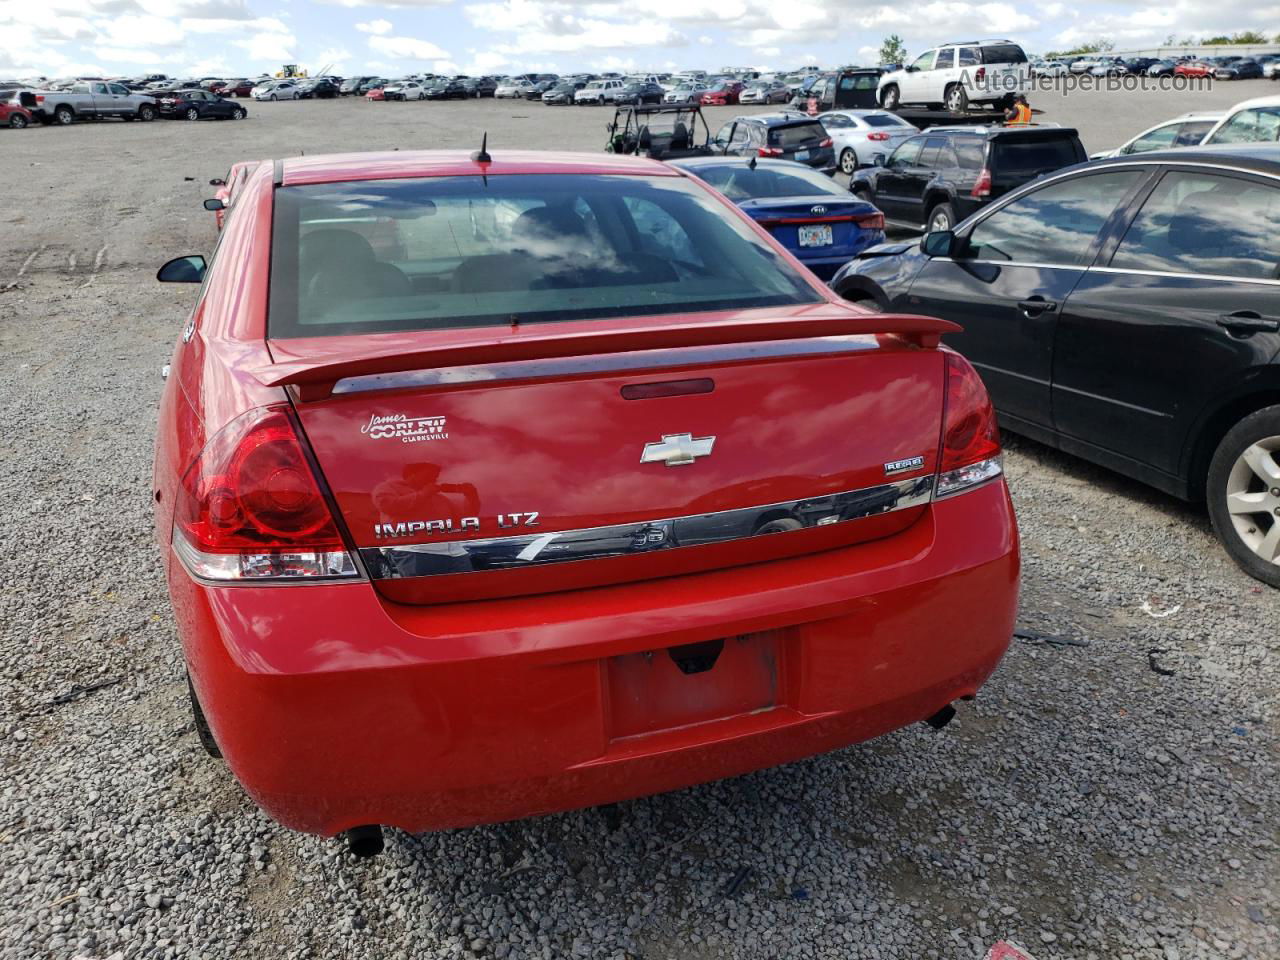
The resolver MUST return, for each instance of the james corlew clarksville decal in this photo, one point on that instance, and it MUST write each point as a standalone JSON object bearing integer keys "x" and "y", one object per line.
{"x": 404, "y": 428}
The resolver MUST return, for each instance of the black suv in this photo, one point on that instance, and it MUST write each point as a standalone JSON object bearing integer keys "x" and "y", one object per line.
{"x": 1126, "y": 311}
{"x": 783, "y": 136}
{"x": 935, "y": 180}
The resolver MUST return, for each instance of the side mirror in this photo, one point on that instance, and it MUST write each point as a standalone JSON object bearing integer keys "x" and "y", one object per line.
{"x": 213, "y": 203}
{"x": 939, "y": 243}
{"x": 182, "y": 270}
{"x": 878, "y": 160}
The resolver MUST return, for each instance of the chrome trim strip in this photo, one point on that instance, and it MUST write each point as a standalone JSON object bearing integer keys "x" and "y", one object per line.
{"x": 1184, "y": 276}
{"x": 725, "y": 526}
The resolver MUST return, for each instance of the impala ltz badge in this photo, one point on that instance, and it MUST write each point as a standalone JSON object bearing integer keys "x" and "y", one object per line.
{"x": 505, "y": 521}
{"x": 677, "y": 449}
{"x": 898, "y": 466}
{"x": 405, "y": 429}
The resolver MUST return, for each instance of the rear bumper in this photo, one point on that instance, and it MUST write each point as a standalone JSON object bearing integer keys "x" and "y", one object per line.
{"x": 335, "y": 708}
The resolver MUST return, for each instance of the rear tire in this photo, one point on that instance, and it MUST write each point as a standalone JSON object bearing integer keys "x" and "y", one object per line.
{"x": 17, "y": 121}
{"x": 848, "y": 161}
{"x": 957, "y": 98}
{"x": 1243, "y": 494}
{"x": 64, "y": 115}
{"x": 941, "y": 217}
{"x": 203, "y": 732}
{"x": 890, "y": 98}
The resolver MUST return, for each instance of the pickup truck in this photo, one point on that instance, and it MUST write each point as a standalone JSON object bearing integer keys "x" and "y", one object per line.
{"x": 93, "y": 100}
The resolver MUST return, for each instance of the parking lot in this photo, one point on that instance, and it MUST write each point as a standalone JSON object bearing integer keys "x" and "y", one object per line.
{"x": 1114, "y": 792}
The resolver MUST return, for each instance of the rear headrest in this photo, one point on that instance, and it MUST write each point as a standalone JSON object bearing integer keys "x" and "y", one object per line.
{"x": 543, "y": 227}
{"x": 335, "y": 246}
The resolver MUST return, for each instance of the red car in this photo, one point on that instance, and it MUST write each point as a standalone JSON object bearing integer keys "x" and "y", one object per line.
{"x": 375, "y": 94}
{"x": 14, "y": 116}
{"x": 722, "y": 94}
{"x": 592, "y": 493}
{"x": 1194, "y": 68}
{"x": 236, "y": 88}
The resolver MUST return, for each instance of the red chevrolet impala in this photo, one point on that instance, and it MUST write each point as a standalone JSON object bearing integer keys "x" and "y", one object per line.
{"x": 591, "y": 491}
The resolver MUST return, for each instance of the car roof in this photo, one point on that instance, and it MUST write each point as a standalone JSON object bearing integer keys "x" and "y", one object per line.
{"x": 401, "y": 164}
{"x": 1272, "y": 101}
{"x": 1260, "y": 157}
{"x": 775, "y": 119}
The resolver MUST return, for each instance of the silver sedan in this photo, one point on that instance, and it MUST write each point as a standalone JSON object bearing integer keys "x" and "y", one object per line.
{"x": 858, "y": 135}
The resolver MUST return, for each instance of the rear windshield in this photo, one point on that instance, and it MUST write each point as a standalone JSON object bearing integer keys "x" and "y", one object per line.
{"x": 796, "y": 134}
{"x": 1003, "y": 53}
{"x": 883, "y": 120}
{"x": 737, "y": 181}
{"x": 1012, "y": 156}
{"x": 444, "y": 252}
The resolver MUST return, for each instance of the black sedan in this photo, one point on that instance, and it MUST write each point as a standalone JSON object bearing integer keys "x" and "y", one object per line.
{"x": 447, "y": 90}
{"x": 1238, "y": 70}
{"x": 1126, "y": 311}
{"x": 199, "y": 105}
{"x": 638, "y": 93}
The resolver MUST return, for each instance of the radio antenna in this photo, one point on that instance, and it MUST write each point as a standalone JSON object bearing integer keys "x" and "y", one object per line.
{"x": 482, "y": 155}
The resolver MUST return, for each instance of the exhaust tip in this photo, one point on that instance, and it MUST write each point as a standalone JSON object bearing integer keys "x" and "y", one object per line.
{"x": 365, "y": 842}
{"x": 942, "y": 717}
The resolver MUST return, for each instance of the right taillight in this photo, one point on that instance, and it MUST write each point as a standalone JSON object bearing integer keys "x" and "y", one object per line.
{"x": 250, "y": 510}
{"x": 970, "y": 452}
{"x": 983, "y": 186}
{"x": 770, "y": 151}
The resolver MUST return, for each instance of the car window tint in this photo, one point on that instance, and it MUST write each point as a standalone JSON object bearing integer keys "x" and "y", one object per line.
{"x": 119, "y": 90}
{"x": 1056, "y": 224}
{"x": 100, "y": 89}
{"x": 1003, "y": 53}
{"x": 969, "y": 57}
{"x": 971, "y": 152}
{"x": 931, "y": 153}
{"x": 796, "y": 135}
{"x": 834, "y": 121}
{"x": 1029, "y": 157}
{"x": 467, "y": 251}
{"x": 946, "y": 59}
{"x": 1260, "y": 124}
{"x": 884, "y": 120}
{"x": 1203, "y": 223}
{"x": 1192, "y": 132}
{"x": 907, "y": 153}
{"x": 1155, "y": 140}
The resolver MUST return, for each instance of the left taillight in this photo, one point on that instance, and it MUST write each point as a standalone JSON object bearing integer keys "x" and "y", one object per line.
{"x": 970, "y": 452}
{"x": 249, "y": 509}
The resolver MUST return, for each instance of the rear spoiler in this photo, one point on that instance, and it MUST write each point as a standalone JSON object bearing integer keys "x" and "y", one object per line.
{"x": 314, "y": 377}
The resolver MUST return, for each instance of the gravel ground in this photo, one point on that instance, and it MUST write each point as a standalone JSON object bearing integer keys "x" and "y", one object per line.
{"x": 1112, "y": 794}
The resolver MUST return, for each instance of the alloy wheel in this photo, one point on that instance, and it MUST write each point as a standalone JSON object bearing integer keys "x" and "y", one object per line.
{"x": 193, "y": 114}
{"x": 1253, "y": 498}
{"x": 848, "y": 162}
{"x": 17, "y": 121}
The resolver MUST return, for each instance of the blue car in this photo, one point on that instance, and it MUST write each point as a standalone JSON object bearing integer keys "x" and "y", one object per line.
{"x": 810, "y": 214}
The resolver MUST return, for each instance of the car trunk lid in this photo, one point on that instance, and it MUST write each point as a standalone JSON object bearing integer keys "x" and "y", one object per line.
{"x": 798, "y": 222}
{"x": 549, "y": 464}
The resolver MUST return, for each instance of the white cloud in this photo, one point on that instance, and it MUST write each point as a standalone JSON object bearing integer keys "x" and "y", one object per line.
{"x": 407, "y": 48}
{"x": 403, "y": 4}
{"x": 379, "y": 28}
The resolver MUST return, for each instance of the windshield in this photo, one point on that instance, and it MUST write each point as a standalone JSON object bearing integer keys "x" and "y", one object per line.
{"x": 447, "y": 252}
{"x": 739, "y": 182}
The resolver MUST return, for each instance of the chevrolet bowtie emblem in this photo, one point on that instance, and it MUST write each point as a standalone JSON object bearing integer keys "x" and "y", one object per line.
{"x": 677, "y": 449}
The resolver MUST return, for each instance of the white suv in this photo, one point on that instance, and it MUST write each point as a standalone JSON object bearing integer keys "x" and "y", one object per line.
{"x": 598, "y": 91}
{"x": 956, "y": 75}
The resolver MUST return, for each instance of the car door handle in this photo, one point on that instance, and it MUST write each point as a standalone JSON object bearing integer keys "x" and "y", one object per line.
{"x": 1245, "y": 323}
{"x": 1035, "y": 306}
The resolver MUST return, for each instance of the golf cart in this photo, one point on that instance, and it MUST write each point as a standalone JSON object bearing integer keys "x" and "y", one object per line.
{"x": 662, "y": 132}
